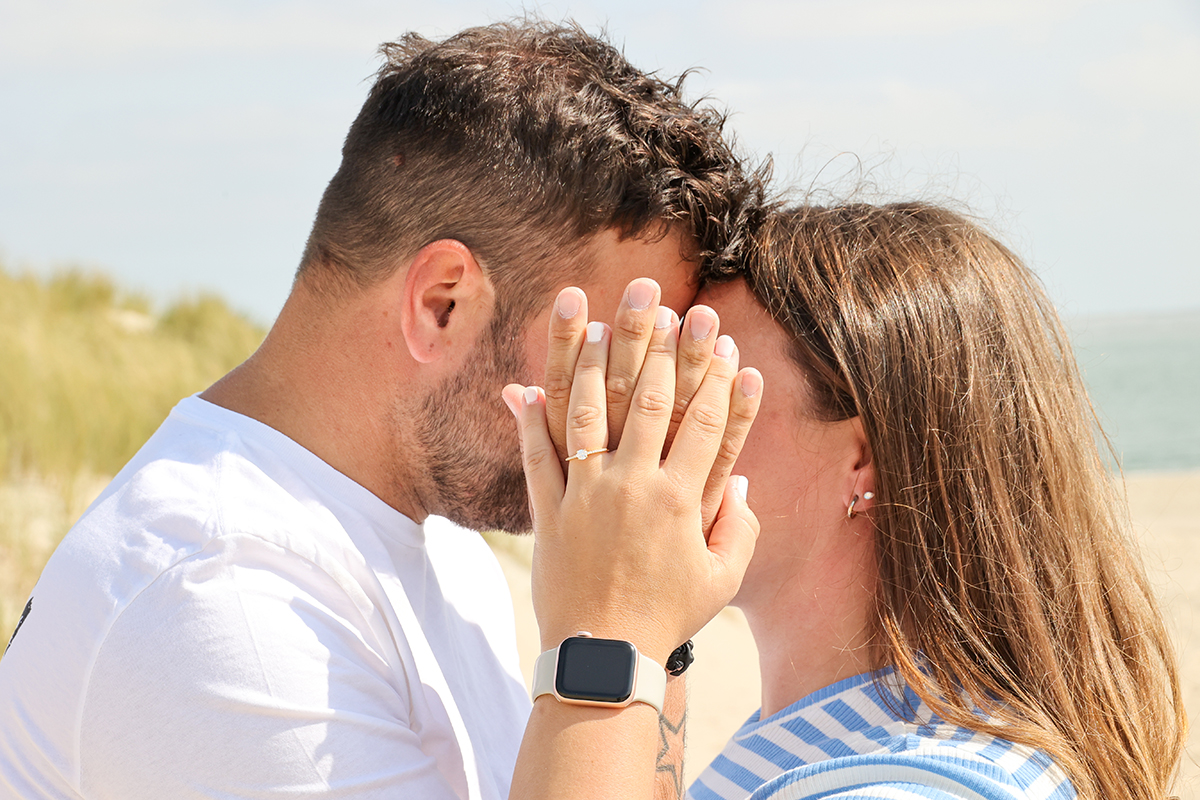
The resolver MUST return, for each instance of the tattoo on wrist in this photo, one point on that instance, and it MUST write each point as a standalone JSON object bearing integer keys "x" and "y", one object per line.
{"x": 669, "y": 764}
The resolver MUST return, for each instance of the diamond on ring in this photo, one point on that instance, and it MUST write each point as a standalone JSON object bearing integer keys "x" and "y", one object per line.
{"x": 581, "y": 454}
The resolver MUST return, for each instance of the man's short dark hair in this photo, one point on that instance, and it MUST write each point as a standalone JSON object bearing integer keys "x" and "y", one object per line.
{"x": 521, "y": 140}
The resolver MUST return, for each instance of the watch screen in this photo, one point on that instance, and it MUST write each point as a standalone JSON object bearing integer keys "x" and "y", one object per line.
{"x": 599, "y": 670}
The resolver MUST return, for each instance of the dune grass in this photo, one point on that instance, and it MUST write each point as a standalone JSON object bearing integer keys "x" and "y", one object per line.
{"x": 87, "y": 373}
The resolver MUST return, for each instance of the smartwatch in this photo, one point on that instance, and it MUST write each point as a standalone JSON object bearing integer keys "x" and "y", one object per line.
{"x": 587, "y": 671}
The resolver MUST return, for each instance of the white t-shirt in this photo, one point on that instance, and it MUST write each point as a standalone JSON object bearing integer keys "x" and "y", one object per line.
{"x": 233, "y": 618}
{"x": 850, "y": 741}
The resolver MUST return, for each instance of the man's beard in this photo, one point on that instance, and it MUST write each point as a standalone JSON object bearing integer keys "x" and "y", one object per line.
{"x": 470, "y": 438}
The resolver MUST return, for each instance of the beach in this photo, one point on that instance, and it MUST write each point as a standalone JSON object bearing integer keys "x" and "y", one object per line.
{"x": 1166, "y": 514}
{"x": 723, "y": 685}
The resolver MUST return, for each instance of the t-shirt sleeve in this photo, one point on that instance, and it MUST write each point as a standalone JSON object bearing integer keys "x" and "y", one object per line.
{"x": 250, "y": 675}
{"x": 898, "y": 776}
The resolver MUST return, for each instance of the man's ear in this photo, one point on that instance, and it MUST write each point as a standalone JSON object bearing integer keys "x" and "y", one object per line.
{"x": 447, "y": 300}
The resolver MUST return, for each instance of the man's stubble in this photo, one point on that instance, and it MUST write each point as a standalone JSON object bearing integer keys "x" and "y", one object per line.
{"x": 469, "y": 438}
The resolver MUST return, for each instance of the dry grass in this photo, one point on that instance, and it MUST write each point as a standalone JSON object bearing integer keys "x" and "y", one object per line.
{"x": 87, "y": 373}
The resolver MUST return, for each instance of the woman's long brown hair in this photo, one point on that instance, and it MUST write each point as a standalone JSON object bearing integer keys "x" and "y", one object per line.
{"x": 1009, "y": 580}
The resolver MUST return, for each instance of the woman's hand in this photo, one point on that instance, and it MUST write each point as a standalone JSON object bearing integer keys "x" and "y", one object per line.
{"x": 621, "y": 549}
{"x": 630, "y": 336}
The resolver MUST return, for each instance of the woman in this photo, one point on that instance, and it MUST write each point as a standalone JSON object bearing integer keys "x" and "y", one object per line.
{"x": 944, "y": 594}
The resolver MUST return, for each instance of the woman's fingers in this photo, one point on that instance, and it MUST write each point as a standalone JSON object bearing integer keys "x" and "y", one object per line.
{"x": 587, "y": 426}
{"x": 699, "y": 436}
{"x": 632, "y": 328}
{"x": 714, "y": 428}
{"x": 654, "y": 397}
{"x": 745, "y": 398}
{"x": 731, "y": 543}
{"x": 568, "y": 320}
{"x": 697, "y": 333}
{"x": 543, "y": 471}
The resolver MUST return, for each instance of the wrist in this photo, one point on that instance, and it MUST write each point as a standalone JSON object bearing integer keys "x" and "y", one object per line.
{"x": 597, "y": 671}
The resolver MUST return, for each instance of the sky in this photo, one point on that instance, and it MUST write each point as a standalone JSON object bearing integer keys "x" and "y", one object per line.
{"x": 183, "y": 147}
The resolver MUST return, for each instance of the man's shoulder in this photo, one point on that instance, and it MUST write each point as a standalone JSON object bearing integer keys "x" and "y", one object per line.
{"x": 178, "y": 515}
{"x": 192, "y": 481}
{"x": 194, "y": 491}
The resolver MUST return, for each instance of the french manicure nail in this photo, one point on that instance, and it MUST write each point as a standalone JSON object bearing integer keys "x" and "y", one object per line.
{"x": 724, "y": 346}
{"x": 664, "y": 317}
{"x": 531, "y": 395}
{"x": 641, "y": 295}
{"x": 741, "y": 485}
{"x": 568, "y": 304}
{"x": 595, "y": 332}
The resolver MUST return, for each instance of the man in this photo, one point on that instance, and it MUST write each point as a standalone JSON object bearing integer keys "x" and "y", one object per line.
{"x": 253, "y": 608}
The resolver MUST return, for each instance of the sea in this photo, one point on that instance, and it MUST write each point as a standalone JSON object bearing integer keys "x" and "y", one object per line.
{"x": 1143, "y": 375}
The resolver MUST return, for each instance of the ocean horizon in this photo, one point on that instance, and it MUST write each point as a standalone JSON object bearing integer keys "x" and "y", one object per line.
{"x": 1143, "y": 375}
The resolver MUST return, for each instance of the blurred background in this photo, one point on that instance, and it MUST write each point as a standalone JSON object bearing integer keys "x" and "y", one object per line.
{"x": 181, "y": 148}
{"x": 161, "y": 162}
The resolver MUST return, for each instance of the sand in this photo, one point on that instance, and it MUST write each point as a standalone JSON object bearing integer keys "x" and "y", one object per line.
{"x": 724, "y": 686}
{"x": 1166, "y": 513}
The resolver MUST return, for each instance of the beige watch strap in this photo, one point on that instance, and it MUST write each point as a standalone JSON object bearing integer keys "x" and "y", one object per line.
{"x": 649, "y": 681}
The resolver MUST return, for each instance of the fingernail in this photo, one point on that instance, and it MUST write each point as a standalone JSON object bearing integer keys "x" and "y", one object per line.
{"x": 724, "y": 346}
{"x": 741, "y": 485}
{"x": 531, "y": 395}
{"x": 595, "y": 331}
{"x": 751, "y": 383}
{"x": 701, "y": 325}
{"x": 664, "y": 317}
{"x": 641, "y": 294}
{"x": 568, "y": 303}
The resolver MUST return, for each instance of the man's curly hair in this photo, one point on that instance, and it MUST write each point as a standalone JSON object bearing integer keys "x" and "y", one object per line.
{"x": 522, "y": 140}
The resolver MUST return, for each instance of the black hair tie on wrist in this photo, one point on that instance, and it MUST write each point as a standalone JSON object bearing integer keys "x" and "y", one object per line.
{"x": 681, "y": 659}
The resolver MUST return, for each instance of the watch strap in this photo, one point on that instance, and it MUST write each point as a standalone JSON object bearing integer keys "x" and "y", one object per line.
{"x": 649, "y": 681}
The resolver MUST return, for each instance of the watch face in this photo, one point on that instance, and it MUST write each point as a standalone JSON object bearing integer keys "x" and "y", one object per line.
{"x": 595, "y": 670}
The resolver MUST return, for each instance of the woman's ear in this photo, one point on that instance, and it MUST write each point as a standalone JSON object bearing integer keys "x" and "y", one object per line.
{"x": 862, "y": 474}
{"x": 447, "y": 299}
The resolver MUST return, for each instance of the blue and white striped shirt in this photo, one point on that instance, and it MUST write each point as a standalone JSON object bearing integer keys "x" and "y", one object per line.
{"x": 844, "y": 741}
